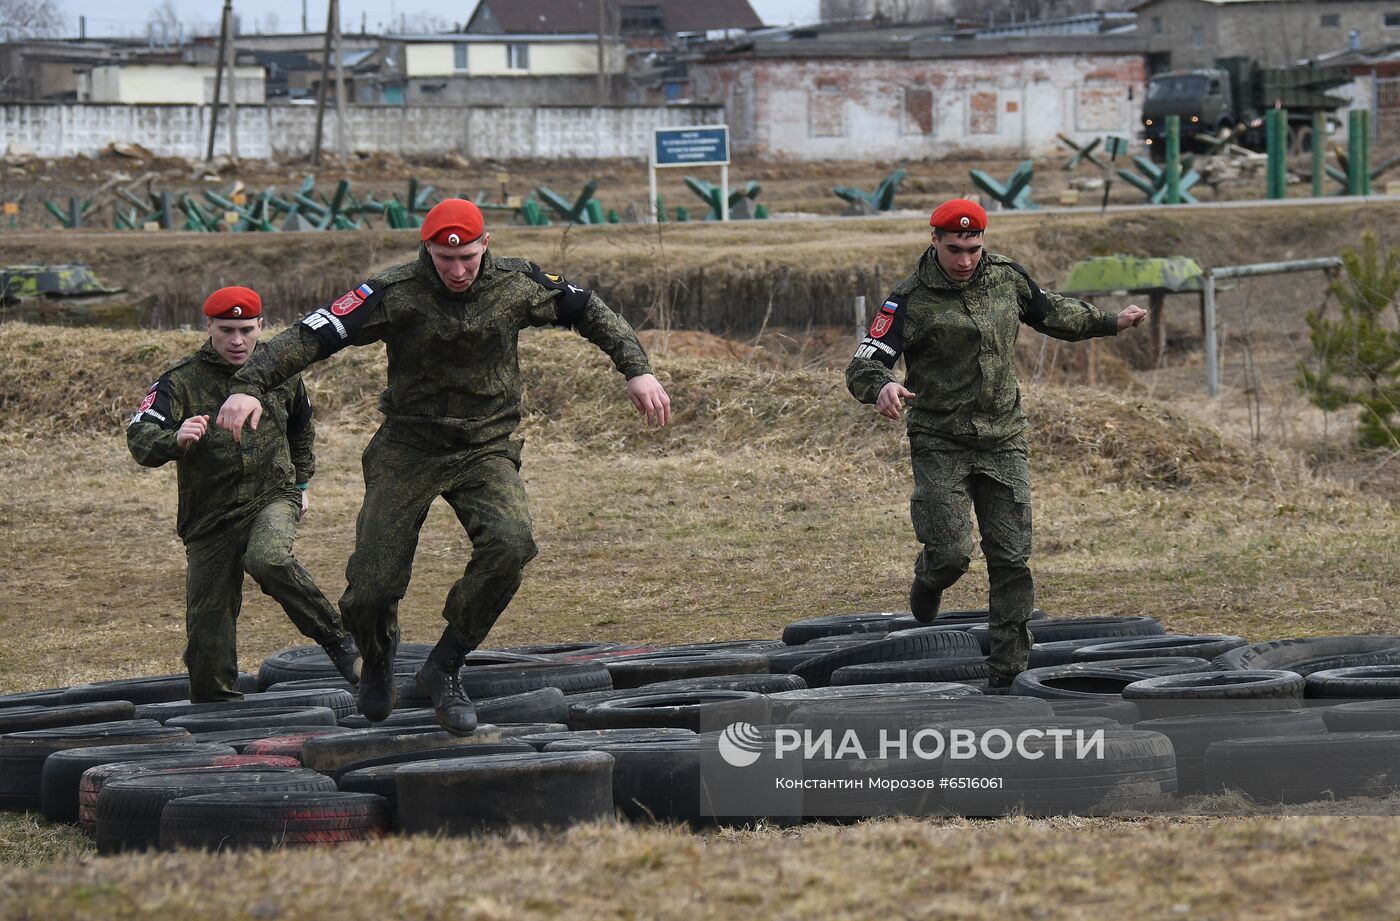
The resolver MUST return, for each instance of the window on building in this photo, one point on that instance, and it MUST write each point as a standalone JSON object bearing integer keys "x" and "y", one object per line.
{"x": 517, "y": 56}
{"x": 1198, "y": 37}
{"x": 918, "y": 111}
{"x": 1392, "y": 20}
{"x": 642, "y": 18}
{"x": 1156, "y": 25}
{"x": 982, "y": 113}
{"x": 1331, "y": 21}
{"x": 827, "y": 114}
{"x": 459, "y": 57}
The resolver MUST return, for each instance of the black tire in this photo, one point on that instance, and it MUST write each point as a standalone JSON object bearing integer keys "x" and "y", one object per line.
{"x": 1374, "y": 681}
{"x": 1309, "y": 654}
{"x": 1137, "y": 771}
{"x": 1070, "y": 682}
{"x": 63, "y": 770}
{"x": 922, "y": 643}
{"x": 499, "y": 792}
{"x": 783, "y": 705}
{"x": 974, "y": 617}
{"x": 432, "y": 754}
{"x": 971, "y": 670}
{"x": 1054, "y": 630}
{"x": 405, "y": 685}
{"x": 289, "y": 742}
{"x": 260, "y": 718}
{"x": 546, "y": 705}
{"x": 25, "y": 719}
{"x": 509, "y": 732}
{"x": 1120, "y": 711}
{"x": 783, "y": 661}
{"x": 482, "y": 681}
{"x": 297, "y": 663}
{"x": 1151, "y": 666}
{"x": 329, "y": 754}
{"x": 1303, "y": 768}
{"x": 635, "y": 671}
{"x": 50, "y": 697}
{"x": 1045, "y": 655}
{"x": 415, "y": 717}
{"x": 1192, "y": 735}
{"x": 22, "y": 754}
{"x": 725, "y": 646}
{"x": 763, "y": 684}
{"x": 129, "y": 810}
{"x": 95, "y": 778}
{"x": 698, "y": 711}
{"x": 254, "y": 819}
{"x": 135, "y": 690}
{"x": 804, "y": 631}
{"x": 869, "y": 717}
{"x": 1170, "y": 644}
{"x": 1216, "y": 692}
{"x": 591, "y": 739}
{"x": 552, "y": 650}
{"x": 1363, "y": 716}
{"x": 342, "y": 702}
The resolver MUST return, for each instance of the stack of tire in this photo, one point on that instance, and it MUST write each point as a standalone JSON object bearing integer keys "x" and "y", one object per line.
{"x": 716, "y": 733}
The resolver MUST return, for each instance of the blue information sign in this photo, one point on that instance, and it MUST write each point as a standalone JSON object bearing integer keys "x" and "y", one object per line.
{"x": 692, "y": 146}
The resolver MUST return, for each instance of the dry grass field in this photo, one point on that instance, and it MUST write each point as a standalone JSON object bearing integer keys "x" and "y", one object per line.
{"x": 772, "y": 497}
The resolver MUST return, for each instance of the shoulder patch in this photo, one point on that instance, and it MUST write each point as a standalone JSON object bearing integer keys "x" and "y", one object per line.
{"x": 157, "y": 406}
{"x": 334, "y": 323}
{"x": 1039, "y": 307}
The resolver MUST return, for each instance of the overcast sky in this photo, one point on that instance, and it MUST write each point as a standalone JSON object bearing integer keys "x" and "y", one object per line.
{"x": 107, "y": 18}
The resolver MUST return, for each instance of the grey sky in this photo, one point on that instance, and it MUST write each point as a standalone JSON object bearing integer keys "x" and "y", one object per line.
{"x": 107, "y": 18}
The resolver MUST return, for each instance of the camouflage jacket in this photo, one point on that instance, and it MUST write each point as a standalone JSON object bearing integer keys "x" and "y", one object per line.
{"x": 454, "y": 370}
{"x": 221, "y": 482}
{"x": 958, "y": 340}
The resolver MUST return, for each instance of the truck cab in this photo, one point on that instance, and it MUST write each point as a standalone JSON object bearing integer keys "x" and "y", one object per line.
{"x": 1203, "y": 98}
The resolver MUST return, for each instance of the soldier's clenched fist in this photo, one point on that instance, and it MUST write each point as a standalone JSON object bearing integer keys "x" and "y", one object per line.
{"x": 191, "y": 430}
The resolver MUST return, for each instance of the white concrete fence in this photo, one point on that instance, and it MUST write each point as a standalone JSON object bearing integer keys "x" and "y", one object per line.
{"x": 281, "y": 132}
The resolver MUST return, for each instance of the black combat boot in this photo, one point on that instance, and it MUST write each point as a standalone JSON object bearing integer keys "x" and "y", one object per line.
{"x": 437, "y": 680}
{"x": 924, "y": 601}
{"x": 377, "y": 685}
{"x": 345, "y": 657}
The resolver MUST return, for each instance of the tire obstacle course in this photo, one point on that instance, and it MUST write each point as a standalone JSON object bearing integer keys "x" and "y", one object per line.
{"x": 692, "y": 734}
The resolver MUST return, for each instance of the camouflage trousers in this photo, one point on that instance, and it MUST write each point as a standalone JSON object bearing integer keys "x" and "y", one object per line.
{"x": 260, "y": 545}
{"x": 948, "y": 485}
{"x": 402, "y": 478}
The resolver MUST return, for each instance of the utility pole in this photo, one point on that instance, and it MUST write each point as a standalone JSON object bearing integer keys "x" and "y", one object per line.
{"x": 602, "y": 53}
{"x": 218, "y": 78}
{"x": 321, "y": 87}
{"x": 340, "y": 131}
{"x": 303, "y": 16}
{"x": 232, "y": 82}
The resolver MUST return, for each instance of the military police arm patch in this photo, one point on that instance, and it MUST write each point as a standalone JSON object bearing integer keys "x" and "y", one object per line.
{"x": 157, "y": 407}
{"x": 572, "y": 300}
{"x": 1034, "y": 312}
{"x": 885, "y": 340}
{"x": 335, "y": 324}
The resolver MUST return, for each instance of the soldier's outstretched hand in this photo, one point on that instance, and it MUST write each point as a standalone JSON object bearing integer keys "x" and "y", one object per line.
{"x": 890, "y": 402}
{"x": 1132, "y": 315}
{"x": 649, "y": 397}
{"x": 238, "y": 409}
{"x": 191, "y": 430}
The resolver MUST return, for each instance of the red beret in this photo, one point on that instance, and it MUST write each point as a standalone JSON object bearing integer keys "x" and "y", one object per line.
{"x": 453, "y": 222}
{"x": 233, "y": 303}
{"x": 959, "y": 216}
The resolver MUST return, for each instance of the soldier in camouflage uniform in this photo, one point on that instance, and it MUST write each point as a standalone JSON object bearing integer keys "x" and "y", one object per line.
{"x": 450, "y": 320}
{"x": 239, "y": 502}
{"x": 955, "y": 320}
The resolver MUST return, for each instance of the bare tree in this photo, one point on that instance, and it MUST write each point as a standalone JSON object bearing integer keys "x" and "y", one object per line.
{"x": 20, "y": 19}
{"x": 163, "y": 24}
{"x": 424, "y": 24}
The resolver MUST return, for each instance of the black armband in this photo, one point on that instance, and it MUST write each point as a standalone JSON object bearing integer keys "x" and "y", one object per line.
{"x": 572, "y": 300}
{"x": 335, "y": 323}
{"x": 157, "y": 407}
{"x": 884, "y": 342}
{"x": 300, "y": 416}
{"x": 1040, "y": 304}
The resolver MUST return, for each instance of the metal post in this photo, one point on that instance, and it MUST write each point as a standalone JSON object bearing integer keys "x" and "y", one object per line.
{"x": 1173, "y": 159}
{"x": 1276, "y": 134}
{"x": 724, "y": 192}
{"x": 651, "y": 200}
{"x": 602, "y": 45}
{"x": 1208, "y": 305}
{"x": 860, "y": 315}
{"x": 1365, "y": 151}
{"x": 1355, "y": 158}
{"x": 232, "y": 86}
{"x": 1319, "y": 152}
{"x": 218, "y": 80}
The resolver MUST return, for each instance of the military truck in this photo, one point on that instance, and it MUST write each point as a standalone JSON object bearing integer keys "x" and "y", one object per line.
{"x": 1229, "y": 100}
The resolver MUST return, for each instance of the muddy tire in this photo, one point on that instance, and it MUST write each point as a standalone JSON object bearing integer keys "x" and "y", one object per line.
{"x": 329, "y": 754}
{"x": 1303, "y": 768}
{"x": 1216, "y": 692}
{"x": 1171, "y": 644}
{"x": 669, "y": 665}
{"x": 1371, "y": 681}
{"x": 63, "y": 770}
{"x": 26, "y": 719}
{"x": 223, "y": 821}
{"x": 1310, "y": 654}
{"x": 970, "y": 670}
{"x": 252, "y": 719}
{"x": 698, "y": 711}
{"x": 921, "y": 643}
{"x": 804, "y": 631}
{"x": 1192, "y": 735}
{"x": 342, "y": 702}
{"x": 546, "y": 705}
{"x": 495, "y": 793}
{"x": 483, "y": 681}
{"x": 22, "y": 754}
